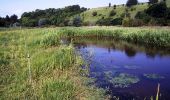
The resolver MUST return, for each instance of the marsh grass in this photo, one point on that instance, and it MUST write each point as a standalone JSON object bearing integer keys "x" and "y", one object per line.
{"x": 52, "y": 68}
{"x": 145, "y": 36}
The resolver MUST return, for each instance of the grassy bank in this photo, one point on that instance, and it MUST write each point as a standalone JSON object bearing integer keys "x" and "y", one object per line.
{"x": 34, "y": 65}
{"x": 152, "y": 36}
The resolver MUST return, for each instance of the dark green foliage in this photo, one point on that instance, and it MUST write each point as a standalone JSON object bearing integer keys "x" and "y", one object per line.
{"x": 109, "y": 21}
{"x": 116, "y": 21}
{"x": 157, "y": 10}
{"x": 43, "y": 22}
{"x": 112, "y": 13}
{"x": 94, "y": 13}
{"x": 8, "y": 21}
{"x": 168, "y": 13}
{"x": 143, "y": 16}
{"x": 137, "y": 22}
{"x": 77, "y": 21}
{"x": 131, "y": 3}
{"x": 127, "y": 22}
{"x": 114, "y": 6}
{"x": 153, "y": 1}
{"x": 55, "y": 16}
{"x": 106, "y": 22}
{"x": 109, "y": 4}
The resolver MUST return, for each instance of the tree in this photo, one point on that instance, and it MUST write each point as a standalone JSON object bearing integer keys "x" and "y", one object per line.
{"x": 153, "y": 1}
{"x": 109, "y": 4}
{"x": 131, "y": 3}
{"x": 77, "y": 21}
{"x": 42, "y": 22}
{"x": 114, "y": 6}
{"x": 112, "y": 13}
{"x": 157, "y": 10}
{"x": 94, "y": 13}
{"x": 13, "y": 18}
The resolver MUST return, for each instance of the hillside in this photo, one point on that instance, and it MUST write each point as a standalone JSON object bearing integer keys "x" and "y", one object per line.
{"x": 168, "y": 3}
{"x": 105, "y": 11}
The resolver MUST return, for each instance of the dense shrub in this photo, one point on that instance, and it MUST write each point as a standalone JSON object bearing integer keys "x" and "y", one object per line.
{"x": 157, "y": 10}
{"x": 112, "y": 13}
{"x": 105, "y": 22}
{"x": 43, "y": 22}
{"x": 153, "y": 1}
{"x": 137, "y": 22}
{"x": 77, "y": 21}
{"x": 114, "y": 6}
{"x": 94, "y": 13}
{"x": 127, "y": 22}
{"x": 116, "y": 21}
{"x": 143, "y": 16}
{"x": 87, "y": 23}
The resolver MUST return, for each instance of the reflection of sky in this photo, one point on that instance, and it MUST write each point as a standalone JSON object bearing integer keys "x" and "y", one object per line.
{"x": 19, "y": 6}
{"x": 121, "y": 58}
{"x": 116, "y": 61}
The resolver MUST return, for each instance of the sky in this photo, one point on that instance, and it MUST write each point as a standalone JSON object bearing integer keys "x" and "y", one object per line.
{"x": 10, "y": 7}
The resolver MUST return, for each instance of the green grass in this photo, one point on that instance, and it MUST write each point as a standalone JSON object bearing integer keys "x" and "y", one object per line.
{"x": 105, "y": 11}
{"x": 156, "y": 37}
{"x": 50, "y": 72}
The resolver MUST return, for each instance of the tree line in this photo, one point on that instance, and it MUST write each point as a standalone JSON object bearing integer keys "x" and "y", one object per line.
{"x": 156, "y": 14}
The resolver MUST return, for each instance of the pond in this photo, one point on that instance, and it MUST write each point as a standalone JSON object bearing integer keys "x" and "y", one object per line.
{"x": 125, "y": 70}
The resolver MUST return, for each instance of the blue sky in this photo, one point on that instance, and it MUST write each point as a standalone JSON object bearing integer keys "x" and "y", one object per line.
{"x": 19, "y": 6}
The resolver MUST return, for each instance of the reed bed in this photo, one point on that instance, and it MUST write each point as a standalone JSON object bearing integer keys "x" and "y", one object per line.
{"x": 156, "y": 37}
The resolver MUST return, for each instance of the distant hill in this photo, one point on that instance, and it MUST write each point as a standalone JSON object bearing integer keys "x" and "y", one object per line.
{"x": 105, "y": 12}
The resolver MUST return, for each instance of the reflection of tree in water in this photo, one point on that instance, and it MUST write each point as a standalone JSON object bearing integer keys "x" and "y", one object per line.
{"x": 150, "y": 53}
{"x": 130, "y": 51}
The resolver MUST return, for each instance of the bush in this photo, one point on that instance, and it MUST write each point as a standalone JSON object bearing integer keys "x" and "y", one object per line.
{"x": 114, "y": 6}
{"x": 106, "y": 22}
{"x": 87, "y": 23}
{"x": 77, "y": 21}
{"x": 157, "y": 10}
{"x": 143, "y": 16}
{"x": 117, "y": 21}
{"x": 112, "y": 13}
{"x": 94, "y": 13}
{"x": 137, "y": 22}
{"x": 127, "y": 22}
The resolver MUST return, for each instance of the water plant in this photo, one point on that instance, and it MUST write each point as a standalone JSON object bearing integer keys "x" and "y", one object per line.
{"x": 124, "y": 80}
{"x": 153, "y": 76}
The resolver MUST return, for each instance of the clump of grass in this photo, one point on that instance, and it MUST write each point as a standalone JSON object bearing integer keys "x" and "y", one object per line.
{"x": 50, "y": 39}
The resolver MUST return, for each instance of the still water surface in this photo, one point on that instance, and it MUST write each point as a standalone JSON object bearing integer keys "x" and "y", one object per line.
{"x": 110, "y": 59}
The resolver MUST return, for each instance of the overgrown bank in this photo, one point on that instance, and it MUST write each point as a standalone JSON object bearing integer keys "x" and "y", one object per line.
{"x": 34, "y": 65}
{"x": 156, "y": 36}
